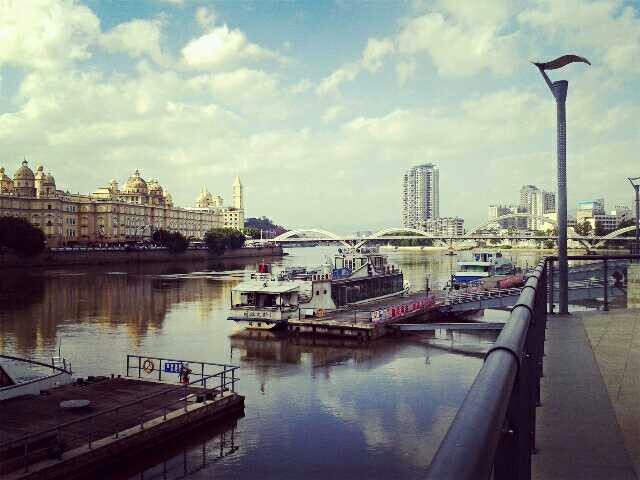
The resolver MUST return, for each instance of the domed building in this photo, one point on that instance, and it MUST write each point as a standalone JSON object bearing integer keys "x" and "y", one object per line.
{"x": 136, "y": 189}
{"x": 156, "y": 196}
{"x": 168, "y": 199}
{"x": 45, "y": 183}
{"x": 205, "y": 199}
{"x": 108, "y": 215}
{"x": 6, "y": 184}
{"x": 24, "y": 181}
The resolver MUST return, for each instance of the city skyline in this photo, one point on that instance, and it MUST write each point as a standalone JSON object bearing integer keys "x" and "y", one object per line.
{"x": 190, "y": 91}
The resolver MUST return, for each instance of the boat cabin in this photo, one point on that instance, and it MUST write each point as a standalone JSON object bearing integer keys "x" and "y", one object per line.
{"x": 263, "y": 299}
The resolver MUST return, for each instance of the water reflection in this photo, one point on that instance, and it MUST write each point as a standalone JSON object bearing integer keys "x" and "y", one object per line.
{"x": 338, "y": 408}
{"x": 193, "y": 453}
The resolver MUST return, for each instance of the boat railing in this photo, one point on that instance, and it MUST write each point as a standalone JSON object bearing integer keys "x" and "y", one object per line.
{"x": 283, "y": 308}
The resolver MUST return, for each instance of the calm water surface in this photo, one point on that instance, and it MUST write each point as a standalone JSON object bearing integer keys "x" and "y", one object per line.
{"x": 314, "y": 409}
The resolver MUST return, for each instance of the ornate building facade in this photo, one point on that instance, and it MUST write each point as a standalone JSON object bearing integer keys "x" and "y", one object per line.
{"x": 231, "y": 217}
{"x": 108, "y": 215}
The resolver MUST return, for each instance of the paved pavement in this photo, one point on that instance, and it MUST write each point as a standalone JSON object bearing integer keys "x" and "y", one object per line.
{"x": 589, "y": 421}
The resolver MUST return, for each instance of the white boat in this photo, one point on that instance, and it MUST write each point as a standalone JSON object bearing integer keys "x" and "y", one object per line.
{"x": 21, "y": 376}
{"x": 269, "y": 300}
{"x": 484, "y": 265}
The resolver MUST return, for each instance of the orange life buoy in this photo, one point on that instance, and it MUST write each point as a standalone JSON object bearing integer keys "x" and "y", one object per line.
{"x": 148, "y": 366}
{"x": 320, "y": 313}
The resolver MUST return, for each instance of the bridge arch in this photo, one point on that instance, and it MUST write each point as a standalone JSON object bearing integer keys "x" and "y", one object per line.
{"x": 386, "y": 231}
{"x": 475, "y": 229}
{"x": 300, "y": 232}
{"x": 615, "y": 234}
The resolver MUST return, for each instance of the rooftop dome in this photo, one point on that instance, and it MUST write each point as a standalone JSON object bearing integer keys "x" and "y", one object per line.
{"x": 24, "y": 172}
{"x": 3, "y": 176}
{"x": 136, "y": 184}
{"x": 49, "y": 180}
{"x": 154, "y": 187}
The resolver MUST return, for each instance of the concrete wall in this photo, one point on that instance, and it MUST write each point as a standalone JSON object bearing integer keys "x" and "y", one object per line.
{"x": 88, "y": 257}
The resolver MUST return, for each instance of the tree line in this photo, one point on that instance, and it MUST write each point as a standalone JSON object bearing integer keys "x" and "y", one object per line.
{"x": 19, "y": 236}
{"x": 216, "y": 240}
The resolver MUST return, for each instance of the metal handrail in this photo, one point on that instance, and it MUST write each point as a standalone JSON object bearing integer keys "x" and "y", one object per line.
{"x": 35, "y": 362}
{"x": 494, "y": 429}
{"x": 87, "y": 418}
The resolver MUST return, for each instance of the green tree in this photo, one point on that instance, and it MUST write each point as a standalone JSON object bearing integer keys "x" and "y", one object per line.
{"x": 20, "y": 236}
{"x": 177, "y": 243}
{"x": 252, "y": 232}
{"x": 220, "y": 239}
{"x": 216, "y": 241}
{"x": 583, "y": 229}
{"x": 161, "y": 237}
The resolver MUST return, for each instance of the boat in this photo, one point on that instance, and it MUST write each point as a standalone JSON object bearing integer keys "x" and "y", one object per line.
{"x": 484, "y": 266}
{"x": 268, "y": 300}
{"x": 22, "y": 376}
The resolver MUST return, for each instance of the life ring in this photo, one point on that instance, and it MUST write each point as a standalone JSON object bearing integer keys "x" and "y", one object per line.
{"x": 320, "y": 313}
{"x": 148, "y": 366}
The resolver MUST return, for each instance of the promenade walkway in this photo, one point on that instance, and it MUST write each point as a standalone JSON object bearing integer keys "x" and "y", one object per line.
{"x": 589, "y": 421}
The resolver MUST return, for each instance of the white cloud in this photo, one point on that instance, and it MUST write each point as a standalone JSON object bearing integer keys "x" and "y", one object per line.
{"x": 223, "y": 46}
{"x": 330, "y": 84}
{"x": 375, "y": 52}
{"x": 206, "y": 17}
{"x": 332, "y": 113}
{"x": 302, "y": 86}
{"x": 46, "y": 34}
{"x": 405, "y": 72}
{"x": 609, "y": 28}
{"x": 177, "y": 3}
{"x": 460, "y": 47}
{"x": 137, "y": 38}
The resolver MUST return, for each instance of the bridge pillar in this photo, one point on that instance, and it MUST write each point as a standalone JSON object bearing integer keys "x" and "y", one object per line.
{"x": 633, "y": 285}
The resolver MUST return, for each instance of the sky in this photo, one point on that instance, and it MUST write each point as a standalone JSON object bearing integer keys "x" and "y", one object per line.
{"x": 320, "y": 106}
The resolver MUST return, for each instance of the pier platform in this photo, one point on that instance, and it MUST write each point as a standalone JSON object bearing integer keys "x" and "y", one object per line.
{"x": 41, "y": 439}
{"x": 589, "y": 423}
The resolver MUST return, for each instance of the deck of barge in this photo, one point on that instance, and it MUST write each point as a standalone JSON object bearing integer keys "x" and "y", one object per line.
{"x": 366, "y": 321}
{"x": 124, "y": 415}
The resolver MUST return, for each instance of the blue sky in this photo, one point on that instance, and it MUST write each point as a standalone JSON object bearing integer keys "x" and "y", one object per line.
{"x": 320, "y": 106}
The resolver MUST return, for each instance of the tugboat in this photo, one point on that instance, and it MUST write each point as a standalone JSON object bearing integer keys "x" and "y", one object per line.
{"x": 269, "y": 300}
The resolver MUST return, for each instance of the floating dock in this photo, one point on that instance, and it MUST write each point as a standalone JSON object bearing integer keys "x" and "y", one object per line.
{"x": 368, "y": 322}
{"x": 40, "y": 437}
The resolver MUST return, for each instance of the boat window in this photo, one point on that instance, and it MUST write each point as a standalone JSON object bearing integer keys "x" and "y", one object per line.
{"x": 317, "y": 292}
{"x": 325, "y": 292}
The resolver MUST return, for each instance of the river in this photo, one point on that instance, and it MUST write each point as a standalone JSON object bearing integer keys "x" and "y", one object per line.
{"x": 313, "y": 410}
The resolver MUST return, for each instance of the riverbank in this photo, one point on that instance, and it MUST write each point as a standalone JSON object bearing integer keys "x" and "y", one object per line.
{"x": 107, "y": 257}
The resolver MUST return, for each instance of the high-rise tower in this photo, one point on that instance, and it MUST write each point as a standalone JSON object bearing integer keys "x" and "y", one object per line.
{"x": 237, "y": 194}
{"x": 420, "y": 195}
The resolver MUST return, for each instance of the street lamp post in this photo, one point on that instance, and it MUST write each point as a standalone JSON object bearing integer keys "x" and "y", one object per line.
{"x": 559, "y": 91}
{"x": 635, "y": 183}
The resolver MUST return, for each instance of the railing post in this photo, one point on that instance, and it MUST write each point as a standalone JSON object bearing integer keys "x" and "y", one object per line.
{"x": 222, "y": 383}
{"x": 160, "y": 371}
{"x": 233, "y": 380}
{"x": 139, "y": 367}
{"x": 185, "y": 397}
{"x": 550, "y": 285}
{"x": 202, "y": 374}
{"x": 90, "y": 431}
{"x": 128, "y": 365}
{"x": 605, "y": 282}
{"x": 26, "y": 456}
